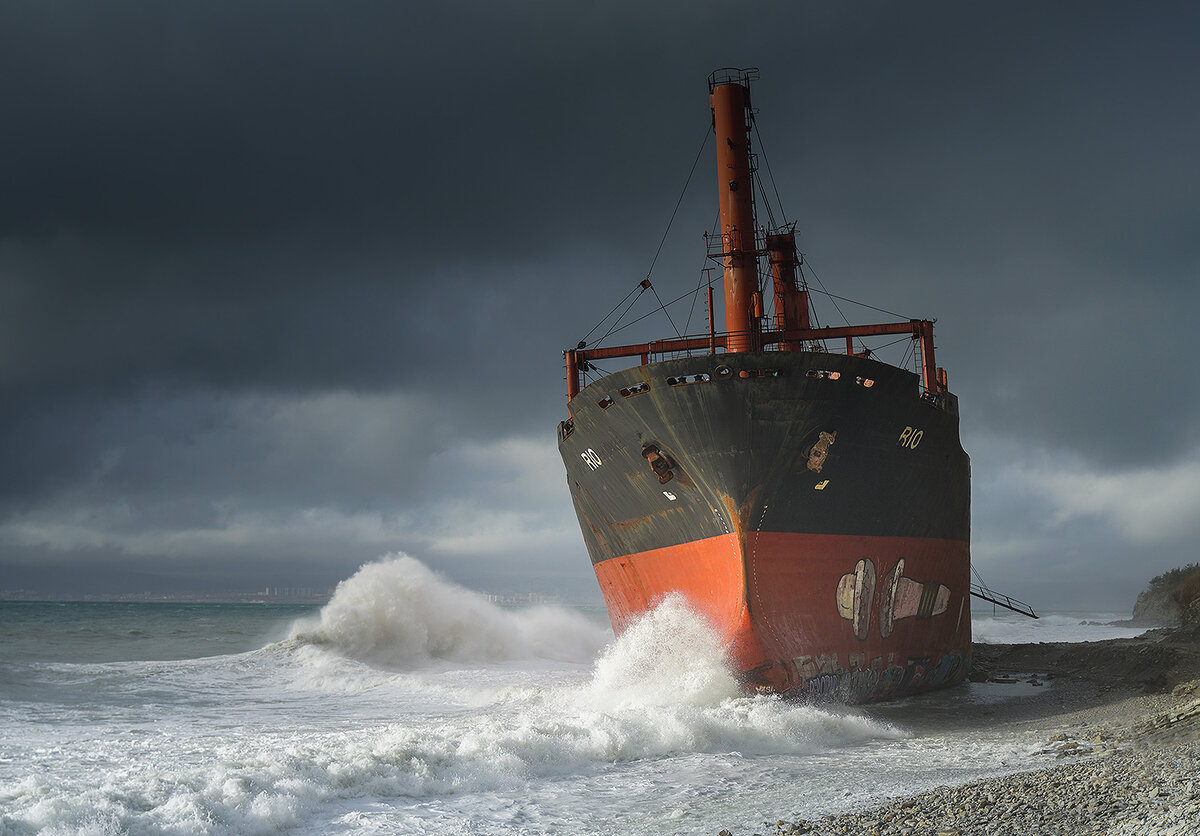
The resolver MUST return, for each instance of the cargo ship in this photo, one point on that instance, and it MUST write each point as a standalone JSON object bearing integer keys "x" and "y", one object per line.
{"x": 809, "y": 500}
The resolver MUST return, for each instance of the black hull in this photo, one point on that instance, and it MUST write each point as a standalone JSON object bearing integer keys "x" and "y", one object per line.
{"x": 744, "y": 446}
{"x": 816, "y": 507}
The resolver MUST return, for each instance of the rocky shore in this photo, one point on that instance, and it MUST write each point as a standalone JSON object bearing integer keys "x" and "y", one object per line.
{"x": 1122, "y": 725}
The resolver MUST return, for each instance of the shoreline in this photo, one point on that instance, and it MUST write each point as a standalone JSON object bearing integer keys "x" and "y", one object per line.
{"x": 1121, "y": 720}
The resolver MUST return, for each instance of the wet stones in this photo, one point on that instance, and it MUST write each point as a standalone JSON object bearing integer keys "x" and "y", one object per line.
{"x": 1112, "y": 780}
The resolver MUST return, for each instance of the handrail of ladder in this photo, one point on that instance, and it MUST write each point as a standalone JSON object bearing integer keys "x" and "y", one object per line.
{"x": 1002, "y": 600}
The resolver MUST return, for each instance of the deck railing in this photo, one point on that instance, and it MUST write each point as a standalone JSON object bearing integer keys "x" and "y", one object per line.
{"x": 933, "y": 380}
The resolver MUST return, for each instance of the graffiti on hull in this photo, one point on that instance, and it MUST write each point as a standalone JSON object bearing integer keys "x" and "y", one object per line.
{"x": 869, "y": 599}
{"x": 823, "y": 679}
{"x": 860, "y": 597}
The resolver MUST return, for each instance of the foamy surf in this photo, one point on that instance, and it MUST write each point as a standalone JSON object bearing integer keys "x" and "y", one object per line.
{"x": 334, "y": 731}
{"x": 398, "y": 613}
{"x": 662, "y": 688}
{"x": 665, "y": 686}
{"x": 438, "y": 746}
{"x": 1012, "y": 628}
{"x": 670, "y": 656}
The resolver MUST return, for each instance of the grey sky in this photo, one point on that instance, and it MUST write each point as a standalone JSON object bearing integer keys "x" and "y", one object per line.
{"x": 283, "y": 286}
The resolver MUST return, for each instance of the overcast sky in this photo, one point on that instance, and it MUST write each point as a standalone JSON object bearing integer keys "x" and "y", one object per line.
{"x": 284, "y": 286}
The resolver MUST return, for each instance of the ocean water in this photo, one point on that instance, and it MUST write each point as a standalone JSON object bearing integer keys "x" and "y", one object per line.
{"x": 411, "y": 705}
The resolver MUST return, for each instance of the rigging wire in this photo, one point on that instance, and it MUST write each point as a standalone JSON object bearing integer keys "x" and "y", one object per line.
{"x": 814, "y": 316}
{"x": 896, "y": 341}
{"x": 645, "y": 283}
{"x": 825, "y": 292}
{"x": 830, "y": 295}
{"x": 607, "y": 315}
{"x": 911, "y": 351}
{"x": 652, "y": 313}
{"x": 766, "y": 203}
{"x": 703, "y": 280}
{"x": 833, "y": 297}
{"x": 695, "y": 162}
{"x": 763, "y": 151}
{"x": 665, "y": 311}
{"x": 757, "y": 179}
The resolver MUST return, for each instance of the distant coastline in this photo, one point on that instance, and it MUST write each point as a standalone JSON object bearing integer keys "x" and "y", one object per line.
{"x": 258, "y": 597}
{"x": 271, "y": 595}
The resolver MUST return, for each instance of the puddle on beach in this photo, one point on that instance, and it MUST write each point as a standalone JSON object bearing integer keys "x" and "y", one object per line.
{"x": 974, "y": 704}
{"x": 996, "y": 691}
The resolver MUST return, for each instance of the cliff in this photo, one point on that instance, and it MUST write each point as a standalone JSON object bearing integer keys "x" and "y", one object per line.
{"x": 1171, "y": 599}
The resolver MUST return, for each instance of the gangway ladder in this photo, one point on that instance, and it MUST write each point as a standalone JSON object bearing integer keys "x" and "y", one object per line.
{"x": 980, "y": 591}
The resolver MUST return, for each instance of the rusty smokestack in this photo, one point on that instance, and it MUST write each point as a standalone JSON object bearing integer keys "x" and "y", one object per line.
{"x": 729, "y": 96}
{"x": 791, "y": 301}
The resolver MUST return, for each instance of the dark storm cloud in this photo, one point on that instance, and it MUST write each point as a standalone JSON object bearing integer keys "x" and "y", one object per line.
{"x": 1029, "y": 183}
{"x": 236, "y": 239}
{"x": 196, "y": 120}
{"x": 267, "y": 194}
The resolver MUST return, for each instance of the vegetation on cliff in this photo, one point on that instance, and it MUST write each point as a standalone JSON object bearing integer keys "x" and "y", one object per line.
{"x": 1170, "y": 599}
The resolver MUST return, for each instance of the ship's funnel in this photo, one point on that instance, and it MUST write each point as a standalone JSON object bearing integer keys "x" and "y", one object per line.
{"x": 729, "y": 96}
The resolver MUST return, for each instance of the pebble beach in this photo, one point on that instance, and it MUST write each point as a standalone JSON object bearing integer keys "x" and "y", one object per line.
{"x": 1122, "y": 750}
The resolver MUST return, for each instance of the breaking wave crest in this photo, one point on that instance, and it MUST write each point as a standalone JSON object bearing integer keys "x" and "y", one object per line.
{"x": 671, "y": 656}
{"x": 256, "y": 743}
{"x": 666, "y": 686}
{"x": 398, "y": 613}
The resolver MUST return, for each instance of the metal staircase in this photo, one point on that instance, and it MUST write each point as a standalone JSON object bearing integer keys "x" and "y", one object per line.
{"x": 980, "y": 591}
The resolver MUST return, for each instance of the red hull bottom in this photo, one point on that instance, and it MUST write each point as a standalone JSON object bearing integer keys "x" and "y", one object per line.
{"x": 815, "y": 616}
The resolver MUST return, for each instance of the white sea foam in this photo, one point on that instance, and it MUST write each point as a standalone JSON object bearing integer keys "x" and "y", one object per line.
{"x": 535, "y": 726}
{"x": 670, "y": 656}
{"x": 398, "y": 613}
{"x": 1011, "y": 628}
{"x": 666, "y": 684}
{"x": 263, "y": 741}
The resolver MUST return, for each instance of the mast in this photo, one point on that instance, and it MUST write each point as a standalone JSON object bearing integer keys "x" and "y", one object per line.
{"x": 729, "y": 96}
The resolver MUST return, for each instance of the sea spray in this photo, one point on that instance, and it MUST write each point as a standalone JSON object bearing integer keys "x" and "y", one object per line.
{"x": 670, "y": 656}
{"x": 398, "y": 613}
{"x": 1011, "y": 628}
{"x": 662, "y": 687}
{"x": 247, "y": 743}
{"x": 647, "y": 735}
{"x": 665, "y": 686}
